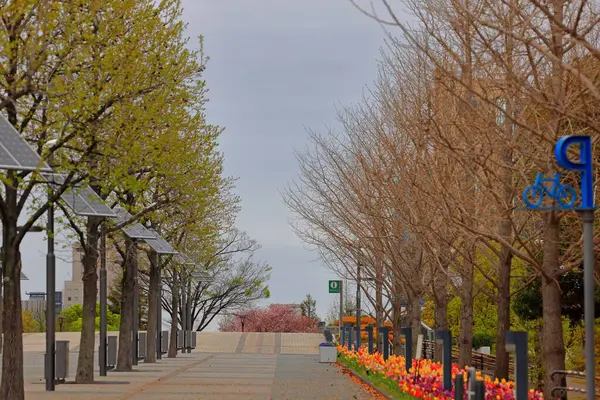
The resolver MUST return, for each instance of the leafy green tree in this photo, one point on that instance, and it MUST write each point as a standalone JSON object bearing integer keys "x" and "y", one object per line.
{"x": 527, "y": 303}
{"x": 30, "y": 325}
{"x": 147, "y": 72}
{"x": 114, "y": 301}
{"x": 73, "y": 319}
{"x": 44, "y": 47}
{"x": 309, "y": 307}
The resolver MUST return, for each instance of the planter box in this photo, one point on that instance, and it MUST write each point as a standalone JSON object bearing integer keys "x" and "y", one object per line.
{"x": 327, "y": 354}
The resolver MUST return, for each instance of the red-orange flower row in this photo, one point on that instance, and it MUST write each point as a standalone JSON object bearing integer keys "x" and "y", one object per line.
{"x": 425, "y": 379}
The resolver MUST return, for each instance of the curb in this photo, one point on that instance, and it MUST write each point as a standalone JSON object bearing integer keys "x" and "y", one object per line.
{"x": 367, "y": 382}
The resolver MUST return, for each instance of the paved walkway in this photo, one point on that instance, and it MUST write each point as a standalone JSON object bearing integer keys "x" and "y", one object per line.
{"x": 224, "y": 366}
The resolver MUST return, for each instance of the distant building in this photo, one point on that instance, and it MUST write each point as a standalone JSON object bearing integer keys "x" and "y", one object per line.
{"x": 73, "y": 288}
{"x": 37, "y": 302}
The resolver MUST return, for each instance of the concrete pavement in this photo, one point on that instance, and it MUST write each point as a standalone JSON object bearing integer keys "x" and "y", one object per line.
{"x": 223, "y": 366}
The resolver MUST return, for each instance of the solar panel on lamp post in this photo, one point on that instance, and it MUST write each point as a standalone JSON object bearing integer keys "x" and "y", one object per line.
{"x": 135, "y": 232}
{"x": 85, "y": 202}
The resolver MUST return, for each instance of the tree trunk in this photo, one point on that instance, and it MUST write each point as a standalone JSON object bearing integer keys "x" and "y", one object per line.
{"x": 153, "y": 304}
{"x": 85, "y": 361}
{"x": 553, "y": 347}
{"x": 124, "y": 359}
{"x": 440, "y": 295}
{"x": 174, "y": 317}
{"x": 538, "y": 360}
{"x": 506, "y": 255}
{"x": 12, "y": 386}
{"x": 441, "y": 304}
{"x": 502, "y": 357}
{"x": 397, "y": 324}
{"x": 414, "y": 320}
{"x": 466, "y": 320}
{"x": 379, "y": 301}
{"x": 1, "y": 302}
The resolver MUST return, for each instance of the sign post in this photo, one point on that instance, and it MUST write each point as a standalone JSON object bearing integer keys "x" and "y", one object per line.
{"x": 336, "y": 287}
{"x": 566, "y": 198}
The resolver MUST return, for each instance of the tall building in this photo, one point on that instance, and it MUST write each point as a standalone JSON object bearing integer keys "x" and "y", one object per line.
{"x": 73, "y": 288}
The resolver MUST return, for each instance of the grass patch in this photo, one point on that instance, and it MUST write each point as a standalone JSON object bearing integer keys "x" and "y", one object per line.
{"x": 375, "y": 379}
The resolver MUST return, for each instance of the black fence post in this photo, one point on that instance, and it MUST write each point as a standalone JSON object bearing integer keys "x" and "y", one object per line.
{"x": 369, "y": 330}
{"x": 459, "y": 387}
{"x": 479, "y": 390}
{"x": 385, "y": 332}
{"x": 407, "y": 332}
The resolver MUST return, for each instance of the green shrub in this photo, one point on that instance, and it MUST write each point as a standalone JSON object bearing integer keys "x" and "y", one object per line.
{"x": 481, "y": 339}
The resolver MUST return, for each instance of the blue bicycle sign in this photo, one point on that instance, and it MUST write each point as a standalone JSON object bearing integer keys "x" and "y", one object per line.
{"x": 565, "y": 195}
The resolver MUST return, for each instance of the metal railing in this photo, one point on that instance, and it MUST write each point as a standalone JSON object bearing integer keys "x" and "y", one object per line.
{"x": 562, "y": 391}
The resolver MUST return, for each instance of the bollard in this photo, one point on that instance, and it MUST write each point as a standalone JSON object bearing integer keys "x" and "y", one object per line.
{"x": 164, "y": 342}
{"x": 62, "y": 360}
{"x": 186, "y": 341}
{"x": 342, "y": 336}
{"x": 516, "y": 342}
{"x": 349, "y": 336}
{"x": 443, "y": 337}
{"x": 479, "y": 390}
{"x": 111, "y": 352}
{"x": 407, "y": 333}
{"x": 135, "y": 342}
{"x": 369, "y": 330}
{"x": 180, "y": 340}
{"x": 357, "y": 337}
{"x": 385, "y": 333}
{"x": 142, "y": 336}
{"x": 459, "y": 387}
{"x": 471, "y": 380}
{"x": 159, "y": 345}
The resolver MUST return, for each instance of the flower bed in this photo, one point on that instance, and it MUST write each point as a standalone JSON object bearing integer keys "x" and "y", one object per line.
{"x": 425, "y": 378}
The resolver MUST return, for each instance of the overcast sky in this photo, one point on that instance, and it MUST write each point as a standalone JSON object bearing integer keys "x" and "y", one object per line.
{"x": 276, "y": 68}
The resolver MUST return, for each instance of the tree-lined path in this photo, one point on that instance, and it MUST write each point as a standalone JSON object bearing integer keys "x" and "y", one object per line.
{"x": 230, "y": 365}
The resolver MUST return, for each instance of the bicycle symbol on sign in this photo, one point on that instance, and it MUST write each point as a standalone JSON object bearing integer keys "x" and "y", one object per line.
{"x": 565, "y": 195}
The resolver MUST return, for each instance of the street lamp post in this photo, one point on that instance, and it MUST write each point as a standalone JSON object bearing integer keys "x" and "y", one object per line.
{"x": 158, "y": 309}
{"x": 103, "y": 295}
{"x": 50, "y": 295}
{"x": 189, "y": 317}
{"x": 183, "y": 315}
{"x": 199, "y": 276}
{"x": 136, "y": 304}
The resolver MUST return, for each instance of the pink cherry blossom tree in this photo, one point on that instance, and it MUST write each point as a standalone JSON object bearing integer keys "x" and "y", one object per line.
{"x": 274, "y": 318}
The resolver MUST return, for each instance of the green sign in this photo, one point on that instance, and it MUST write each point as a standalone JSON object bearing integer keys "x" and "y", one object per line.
{"x": 334, "y": 286}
